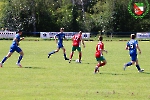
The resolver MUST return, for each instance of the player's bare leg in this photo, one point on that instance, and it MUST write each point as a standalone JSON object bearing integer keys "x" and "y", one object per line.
{"x": 103, "y": 63}
{"x": 9, "y": 54}
{"x": 1, "y": 65}
{"x": 80, "y": 55}
{"x": 53, "y": 52}
{"x": 19, "y": 65}
{"x": 100, "y": 64}
{"x": 138, "y": 67}
{"x": 64, "y": 51}
{"x": 97, "y": 67}
{"x": 20, "y": 58}
{"x": 5, "y": 58}
{"x": 128, "y": 64}
{"x": 71, "y": 55}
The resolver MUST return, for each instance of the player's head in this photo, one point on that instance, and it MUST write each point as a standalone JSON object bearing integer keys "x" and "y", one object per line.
{"x": 132, "y": 36}
{"x": 19, "y": 32}
{"x": 80, "y": 32}
{"x": 61, "y": 29}
{"x": 100, "y": 38}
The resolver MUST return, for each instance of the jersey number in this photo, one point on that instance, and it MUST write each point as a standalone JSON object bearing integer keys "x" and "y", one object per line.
{"x": 99, "y": 47}
{"x": 76, "y": 38}
{"x": 131, "y": 46}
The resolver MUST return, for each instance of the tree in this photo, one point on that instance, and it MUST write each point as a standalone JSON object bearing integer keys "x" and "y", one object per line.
{"x": 74, "y": 15}
{"x": 100, "y": 14}
{"x": 125, "y": 22}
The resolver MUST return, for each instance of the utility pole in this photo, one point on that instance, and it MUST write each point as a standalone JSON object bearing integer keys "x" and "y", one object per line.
{"x": 73, "y": 2}
{"x": 83, "y": 12}
{"x": 33, "y": 16}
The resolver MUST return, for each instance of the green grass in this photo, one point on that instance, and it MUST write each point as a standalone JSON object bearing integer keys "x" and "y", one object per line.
{"x": 55, "y": 79}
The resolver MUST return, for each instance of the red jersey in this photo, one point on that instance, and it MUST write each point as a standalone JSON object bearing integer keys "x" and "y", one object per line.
{"x": 76, "y": 39}
{"x": 99, "y": 47}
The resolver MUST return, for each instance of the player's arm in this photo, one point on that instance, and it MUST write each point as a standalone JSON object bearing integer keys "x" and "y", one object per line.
{"x": 72, "y": 38}
{"x": 126, "y": 48}
{"x": 22, "y": 39}
{"x": 137, "y": 46}
{"x": 55, "y": 38}
{"x": 16, "y": 40}
{"x": 103, "y": 50}
{"x": 82, "y": 42}
{"x": 65, "y": 38}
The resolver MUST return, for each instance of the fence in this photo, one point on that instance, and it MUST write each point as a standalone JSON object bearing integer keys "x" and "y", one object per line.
{"x": 109, "y": 36}
{"x": 121, "y": 36}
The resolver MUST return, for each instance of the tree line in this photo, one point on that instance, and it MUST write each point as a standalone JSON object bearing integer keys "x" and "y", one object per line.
{"x": 73, "y": 15}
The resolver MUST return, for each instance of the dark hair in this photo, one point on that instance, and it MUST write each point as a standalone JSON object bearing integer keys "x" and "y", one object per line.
{"x": 100, "y": 38}
{"x": 80, "y": 32}
{"x": 133, "y": 36}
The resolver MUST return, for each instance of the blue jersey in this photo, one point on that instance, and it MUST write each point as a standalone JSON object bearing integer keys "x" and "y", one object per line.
{"x": 17, "y": 36}
{"x": 132, "y": 46}
{"x": 60, "y": 37}
{"x": 14, "y": 46}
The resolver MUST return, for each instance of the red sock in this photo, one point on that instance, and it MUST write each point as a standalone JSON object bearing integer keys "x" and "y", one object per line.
{"x": 102, "y": 64}
{"x": 98, "y": 65}
{"x": 71, "y": 55}
{"x": 80, "y": 55}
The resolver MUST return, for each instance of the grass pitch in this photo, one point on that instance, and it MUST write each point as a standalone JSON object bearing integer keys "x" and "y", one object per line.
{"x": 55, "y": 79}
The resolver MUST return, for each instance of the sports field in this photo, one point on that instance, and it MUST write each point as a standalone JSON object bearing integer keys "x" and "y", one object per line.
{"x": 55, "y": 79}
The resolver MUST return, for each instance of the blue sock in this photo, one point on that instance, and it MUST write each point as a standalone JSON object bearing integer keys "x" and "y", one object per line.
{"x": 65, "y": 55}
{"x": 138, "y": 67}
{"x": 52, "y": 52}
{"x": 128, "y": 64}
{"x": 4, "y": 59}
{"x": 20, "y": 58}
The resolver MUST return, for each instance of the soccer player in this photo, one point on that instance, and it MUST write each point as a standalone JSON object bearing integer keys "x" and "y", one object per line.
{"x": 60, "y": 37}
{"x": 99, "y": 54}
{"x": 77, "y": 38}
{"x": 133, "y": 46}
{"x": 15, "y": 47}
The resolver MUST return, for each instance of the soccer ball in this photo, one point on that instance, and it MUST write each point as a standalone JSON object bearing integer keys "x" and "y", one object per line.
{"x": 77, "y": 61}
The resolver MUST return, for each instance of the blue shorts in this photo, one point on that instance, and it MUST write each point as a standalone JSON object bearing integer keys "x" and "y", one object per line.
{"x": 60, "y": 46}
{"x": 133, "y": 57}
{"x": 15, "y": 48}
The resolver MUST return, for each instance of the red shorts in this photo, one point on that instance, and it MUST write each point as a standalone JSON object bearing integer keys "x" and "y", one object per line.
{"x": 97, "y": 54}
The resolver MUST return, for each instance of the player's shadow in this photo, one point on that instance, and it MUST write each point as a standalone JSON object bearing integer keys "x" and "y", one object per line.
{"x": 88, "y": 63}
{"x": 146, "y": 72}
{"x": 34, "y": 67}
{"x": 82, "y": 62}
{"x": 112, "y": 73}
